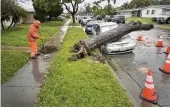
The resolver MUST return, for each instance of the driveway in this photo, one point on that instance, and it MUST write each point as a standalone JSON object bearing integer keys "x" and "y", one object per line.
{"x": 131, "y": 68}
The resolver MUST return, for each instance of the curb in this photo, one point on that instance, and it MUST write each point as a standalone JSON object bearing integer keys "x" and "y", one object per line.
{"x": 116, "y": 66}
{"x": 124, "y": 79}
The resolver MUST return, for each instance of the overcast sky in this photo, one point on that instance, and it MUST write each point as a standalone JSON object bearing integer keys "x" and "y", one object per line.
{"x": 118, "y": 2}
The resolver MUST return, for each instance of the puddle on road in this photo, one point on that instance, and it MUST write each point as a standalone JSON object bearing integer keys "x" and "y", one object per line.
{"x": 165, "y": 78}
{"x": 147, "y": 56}
{"x": 159, "y": 50}
{"x": 145, "y": 104}
{"x": 143, "y": 70}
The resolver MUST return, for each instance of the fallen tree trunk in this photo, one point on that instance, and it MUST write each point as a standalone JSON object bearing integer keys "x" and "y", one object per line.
{"x": 83, "y": 47}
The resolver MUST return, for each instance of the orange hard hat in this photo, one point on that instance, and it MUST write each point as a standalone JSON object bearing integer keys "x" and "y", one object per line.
{"x": 37, "y": 23}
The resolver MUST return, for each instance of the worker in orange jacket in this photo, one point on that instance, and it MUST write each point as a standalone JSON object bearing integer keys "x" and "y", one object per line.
{"x": 32, "y": 36}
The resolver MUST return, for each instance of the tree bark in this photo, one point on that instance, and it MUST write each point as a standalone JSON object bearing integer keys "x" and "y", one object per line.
{"x": 2, "y": 25}
{"x": 111, "y": 36}
{"x": 14, "y": 24}
{"x": 73, "y": 18}
{"x": 11, "y": 23}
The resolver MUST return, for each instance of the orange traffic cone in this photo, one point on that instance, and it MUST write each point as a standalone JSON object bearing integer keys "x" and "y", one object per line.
{"x": 168, "y": 57}
{"x": 139, "y": 38}
{"x": 166, "y": 66}
{"x": 148, "y": 93}
{"x": 160, "y": 42}
{"x": 167, "y": 50}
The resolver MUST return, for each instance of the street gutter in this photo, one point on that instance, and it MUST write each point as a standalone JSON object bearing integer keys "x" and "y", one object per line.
{"x": 130, "y": 87}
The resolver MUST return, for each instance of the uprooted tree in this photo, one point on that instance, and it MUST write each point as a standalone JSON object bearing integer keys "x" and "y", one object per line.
{"x": 75, "y": 7}
{"x": 84, "y": 47}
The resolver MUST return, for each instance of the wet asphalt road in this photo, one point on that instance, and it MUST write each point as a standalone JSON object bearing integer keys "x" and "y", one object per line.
{"x": 146, "y": 55}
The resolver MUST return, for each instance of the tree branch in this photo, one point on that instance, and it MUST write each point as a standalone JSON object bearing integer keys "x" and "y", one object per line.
{"x": 75, "y": 3}
{"x": 72, "y": 6}
{"x": 77, "y": 8}
{"x": 81, "y": 1}
{"x": 67, "y": 8}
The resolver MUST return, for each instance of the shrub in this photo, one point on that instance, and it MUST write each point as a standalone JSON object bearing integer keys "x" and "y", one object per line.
{"x": 59, "y": 18}
{"x": 67, "y": 16}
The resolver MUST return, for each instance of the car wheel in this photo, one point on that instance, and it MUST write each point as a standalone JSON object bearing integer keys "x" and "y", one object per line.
{"x": 168, "y": 21}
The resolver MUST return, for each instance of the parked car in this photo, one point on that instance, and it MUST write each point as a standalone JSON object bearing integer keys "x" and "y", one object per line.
{"x": 164, "y": 18}
{"x": 118, "y": 19}
{"x": 85, "y": 20}
{"x": 154, "y": 19}
{"x": 109, "y": 18}
{"x": 106, "y": 18}
{"x": 103, "y": 27}
{"x": 124, "y": 45}
{"x": 99, "y": 17}
{"x": 80, "y": 18}
{"x": 89, "y": 25}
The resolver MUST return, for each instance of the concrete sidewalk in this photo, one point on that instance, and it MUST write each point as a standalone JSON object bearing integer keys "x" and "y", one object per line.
{"x": 22, "y": 89}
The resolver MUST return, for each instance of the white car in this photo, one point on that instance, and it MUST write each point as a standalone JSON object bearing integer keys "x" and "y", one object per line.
{"x": 86, "y": 19}
{"x": 124, "y": 45}
{"x": 164, "y": 18}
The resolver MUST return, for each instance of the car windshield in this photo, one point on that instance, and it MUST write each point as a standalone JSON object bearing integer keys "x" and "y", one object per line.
{"x": 90, "y": 25}
{"x": 112, "y": 16}
{"x": 122, "y": 16}
{"x": 92, "y": 22}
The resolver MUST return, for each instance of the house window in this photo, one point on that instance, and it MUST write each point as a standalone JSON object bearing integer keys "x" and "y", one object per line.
{"x": 147, "y": 12}
{"x": 153, "y": 11}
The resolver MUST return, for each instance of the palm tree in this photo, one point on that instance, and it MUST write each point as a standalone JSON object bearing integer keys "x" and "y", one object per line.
{"x": 16, "y": 12}
{"x": 10, "y": 9}
{"x": 108, "y": 1}
{"x": 109, "y": 5}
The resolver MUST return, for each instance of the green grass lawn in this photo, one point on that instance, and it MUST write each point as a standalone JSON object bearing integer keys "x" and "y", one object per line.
{"x": 165, "y": 26}
{"x": 18, "y": 36}
{"x": 11, "y": 61}
{"x": 74, "y": 24}
{"x": 147, "y": 20}
{"x": 81, "y": 83}
{"x": 143, "y": 20}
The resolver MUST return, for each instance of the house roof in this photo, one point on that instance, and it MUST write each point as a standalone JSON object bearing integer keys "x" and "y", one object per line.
{"x": 159, "y": 6}
{"x": 28, "y": 6}
{"x": 155, "y": 6}
{"x": 129, "y": 10}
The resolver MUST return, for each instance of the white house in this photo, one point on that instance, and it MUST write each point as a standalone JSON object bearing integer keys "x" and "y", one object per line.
{"x": 155, "y": 10}
{"x": 150, "y": 11}
{"x": 130, "y": 12}
{"x": 27, "y": 5}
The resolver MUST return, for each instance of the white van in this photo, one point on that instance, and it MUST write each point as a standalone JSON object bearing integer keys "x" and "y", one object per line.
{"x": 103, "y": 27}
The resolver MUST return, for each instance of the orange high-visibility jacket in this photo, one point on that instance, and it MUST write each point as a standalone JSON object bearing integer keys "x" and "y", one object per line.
{"x": 32, "y": 33}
